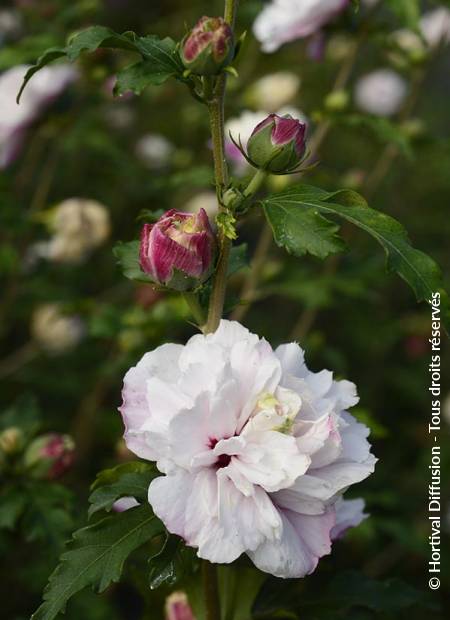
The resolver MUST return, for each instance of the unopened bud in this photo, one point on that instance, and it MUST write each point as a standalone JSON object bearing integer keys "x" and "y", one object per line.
{"x": 50, "y": 456}
{"x": 277, "y": 144}
{"x": 178, "y": 608}
{"x": 178, "y": 250}
{"x": 11, "y": 440}
{"x": 209, "y": 47}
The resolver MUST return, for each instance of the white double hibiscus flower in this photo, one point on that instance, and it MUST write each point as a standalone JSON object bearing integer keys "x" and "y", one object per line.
{"x": 256, "y": 449}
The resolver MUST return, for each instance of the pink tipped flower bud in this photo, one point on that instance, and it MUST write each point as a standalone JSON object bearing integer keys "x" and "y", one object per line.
{"x": 178, "y": 608}
{"x": 50, "y": 456}
{"x": 178, "y": 250}
{"x": 209, "y": 47}
{"x": 277, "y": 144}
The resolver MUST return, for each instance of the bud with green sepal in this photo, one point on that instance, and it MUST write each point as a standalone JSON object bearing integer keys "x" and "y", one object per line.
{"x": 277, "y": 144}
{"x": 209, "y": 47}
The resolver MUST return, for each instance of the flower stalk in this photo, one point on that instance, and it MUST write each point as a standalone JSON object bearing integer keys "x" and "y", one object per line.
{"x": 217, "y": 300}
{"x": 216, "y": 116}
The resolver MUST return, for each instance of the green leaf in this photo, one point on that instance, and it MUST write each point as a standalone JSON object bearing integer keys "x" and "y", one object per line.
{"x": 160, "y": 57}
{"x": 301, "y": 230}
{"x": 113, "y": 474}
{"x": 161, "y": 61}
{"x": 285, "y": 210}
{"x": 12, "y": 502}
{"x": 133, "y": 484}
{"x": 164, "y": 565}
{"x": 47, "y": 515}
{"x": 96, "y": 557}
{"x": 127, "y": 255}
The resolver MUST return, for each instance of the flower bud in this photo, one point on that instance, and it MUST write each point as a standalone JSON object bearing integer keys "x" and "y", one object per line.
{"x": 277, "y": 144}
{"x": 209, "y": 47}
{"x": 50, "y": 456}
{"x": 178, "y": 250}
{"x": 11, "y": 440}
{"x": 178, "y": 608}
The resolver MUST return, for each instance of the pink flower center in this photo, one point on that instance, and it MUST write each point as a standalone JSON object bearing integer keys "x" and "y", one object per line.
{"x": 223, "y": 460}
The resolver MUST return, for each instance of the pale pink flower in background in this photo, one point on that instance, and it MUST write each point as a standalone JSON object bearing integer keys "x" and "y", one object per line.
{"x": 287, "y": 20}
{"x": 206, "y": 200}
{"x": 79, "y": 226}
{"x": 273, "y": 91}
{"x": 256, "y": 449}
{"x": 154, "y": 151}
{"x": 435, "y": 26}
{"x": 15, "y": 118}
{"x": 381, "y": 92}
{"x": 54, "y": 330}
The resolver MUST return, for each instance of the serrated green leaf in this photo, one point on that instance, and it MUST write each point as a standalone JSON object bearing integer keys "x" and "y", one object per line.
{"x": 284, "y": 212}
{"x": 127, "y": 255}
{"x": 137, "y": 77}
{"x": 48, "y": 56}
{"x": 96, "y": 557}
{"x": 160, "y": 57}
{"x": 134, "y": 484}
{"x": 113, "y": 474}
{"x": 161, "y": 61}
{"x": 301, "y": 230}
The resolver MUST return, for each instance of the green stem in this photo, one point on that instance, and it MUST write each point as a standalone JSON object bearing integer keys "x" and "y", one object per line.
{"x": 216, "y": 116}
{"x": 211, "y": 591}
{"x": 256, "y": 182}
{"x": 194, "y": 306}
{"x": 231, "y": 7}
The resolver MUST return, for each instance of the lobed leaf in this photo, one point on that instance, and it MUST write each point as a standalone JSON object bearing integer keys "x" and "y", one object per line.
{"x": 96, "y": 556}
{"x": 134, "y": 484}
{"x": 298, "y": 233}
{"x": 160, "y": 57}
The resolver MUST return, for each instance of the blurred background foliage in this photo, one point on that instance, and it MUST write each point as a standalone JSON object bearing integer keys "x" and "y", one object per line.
{"x": 347, "y": 313}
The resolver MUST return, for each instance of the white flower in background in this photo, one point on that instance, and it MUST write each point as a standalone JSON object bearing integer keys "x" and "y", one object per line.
{"x": 273, "y": 91}
{"x": 15, "y": 118}
{"x": 54, "y": 330}
{"x": 204, "y": 200}
{"x": 435, "y": 26}
{"x": 241, "y": 128}
{"x": 256, "y": 449}
{"x": 154, "y": 150}
{"x": 10, "y": 24}
{"x": 381, "y": 92}
{"x": 80, "y": 225}
{"x": 287, "y": 20}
